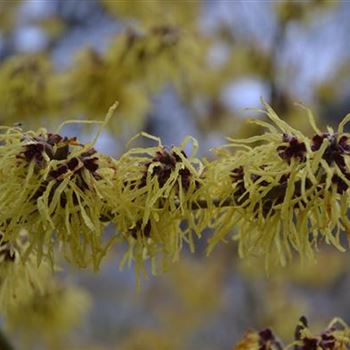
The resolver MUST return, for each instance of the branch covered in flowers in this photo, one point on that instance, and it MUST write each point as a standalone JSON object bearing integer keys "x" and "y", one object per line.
{"x": 279, "y": 193}
{"x": 133, "y": 56}
{"x": 335, "y": 337}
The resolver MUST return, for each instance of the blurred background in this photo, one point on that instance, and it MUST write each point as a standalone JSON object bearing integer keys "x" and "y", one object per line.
{"x": 178, "y": 68}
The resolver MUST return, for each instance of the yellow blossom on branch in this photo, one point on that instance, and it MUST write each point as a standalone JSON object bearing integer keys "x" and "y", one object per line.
{"x": 287, "y": 192}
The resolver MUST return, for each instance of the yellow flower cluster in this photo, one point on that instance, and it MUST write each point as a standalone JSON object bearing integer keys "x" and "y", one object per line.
{"x": 27, "y": 88}
{"x": 50, "y": 186}
{"x": 52, "y": 313}
{"x": 156, "y": 186}
{"x": 26, "y": 288}
{"x": 19, "y": 280}
{"x": 127, "y": 71}
{"x": 286, "y": 192}
{"x": 336, "y": 336}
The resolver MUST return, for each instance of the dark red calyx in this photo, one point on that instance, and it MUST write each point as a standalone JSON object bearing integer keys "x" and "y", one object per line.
{"x": 293, "y": 149}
